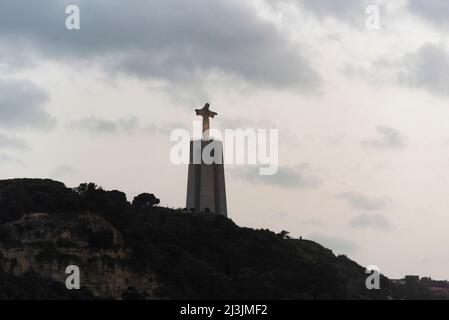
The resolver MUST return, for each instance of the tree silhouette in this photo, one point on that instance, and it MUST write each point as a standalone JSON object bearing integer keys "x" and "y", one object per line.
{"x": 145, "y": 200}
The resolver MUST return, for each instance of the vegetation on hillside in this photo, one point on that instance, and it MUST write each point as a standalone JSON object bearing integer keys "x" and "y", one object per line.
{"x": 196, "y": 256}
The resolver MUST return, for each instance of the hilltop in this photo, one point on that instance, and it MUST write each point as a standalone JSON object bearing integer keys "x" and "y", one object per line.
{"x": 139, "y": 250}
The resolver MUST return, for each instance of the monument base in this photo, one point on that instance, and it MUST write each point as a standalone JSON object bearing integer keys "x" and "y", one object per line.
{"x": 206, "y": 191}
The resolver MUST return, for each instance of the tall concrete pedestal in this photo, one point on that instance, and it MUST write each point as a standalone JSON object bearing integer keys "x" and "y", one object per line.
{"x": 206, "y": 189}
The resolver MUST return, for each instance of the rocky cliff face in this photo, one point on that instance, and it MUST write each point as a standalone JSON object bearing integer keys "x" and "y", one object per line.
{"x": 47, "y": 244}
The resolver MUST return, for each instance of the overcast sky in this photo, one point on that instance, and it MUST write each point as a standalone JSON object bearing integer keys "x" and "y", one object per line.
{"x": 362, "y": 114}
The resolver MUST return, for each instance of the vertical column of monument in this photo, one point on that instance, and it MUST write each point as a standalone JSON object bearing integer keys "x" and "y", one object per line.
{"x": 207, "y": 184}
{"x": 194, "y": 177}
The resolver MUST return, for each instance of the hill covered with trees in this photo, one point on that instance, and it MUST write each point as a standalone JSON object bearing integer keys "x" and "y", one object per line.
{"x": 138, "y": 250}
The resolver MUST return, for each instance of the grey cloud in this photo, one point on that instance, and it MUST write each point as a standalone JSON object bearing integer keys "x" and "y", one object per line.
{"x": 4, "y": 158}
{"x": 128, "y": 124}
{"x": 338, "y": 244}
{"x": 339, "y": 8}
{"x": 349, "y": 11}
{"x": 389, "y": 138}
{"x": 376, "y": 221}
{"x": 11, "y": 142}
{"x": 62, "y": 171}
{"x": 362, "y": 202}
{"x": 94, "y": 125}
{"x": 22, "y": 105}
{"x": 174, "y": 40}
{"x": 163, "y": 129}
{"x": 286, "y": 177}
{"x": 434, "y": 11}
{"x": 14, "y": 57}
{"x": 427, "y": 69}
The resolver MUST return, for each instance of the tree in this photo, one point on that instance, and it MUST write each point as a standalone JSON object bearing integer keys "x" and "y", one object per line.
{"x": 145, "y": 200}
{"x": 85, "y": 189}
{"x": 284, "y": 234}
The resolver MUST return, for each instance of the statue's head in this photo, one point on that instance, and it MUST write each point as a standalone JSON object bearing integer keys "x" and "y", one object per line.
{"x": 206, "y": 106}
